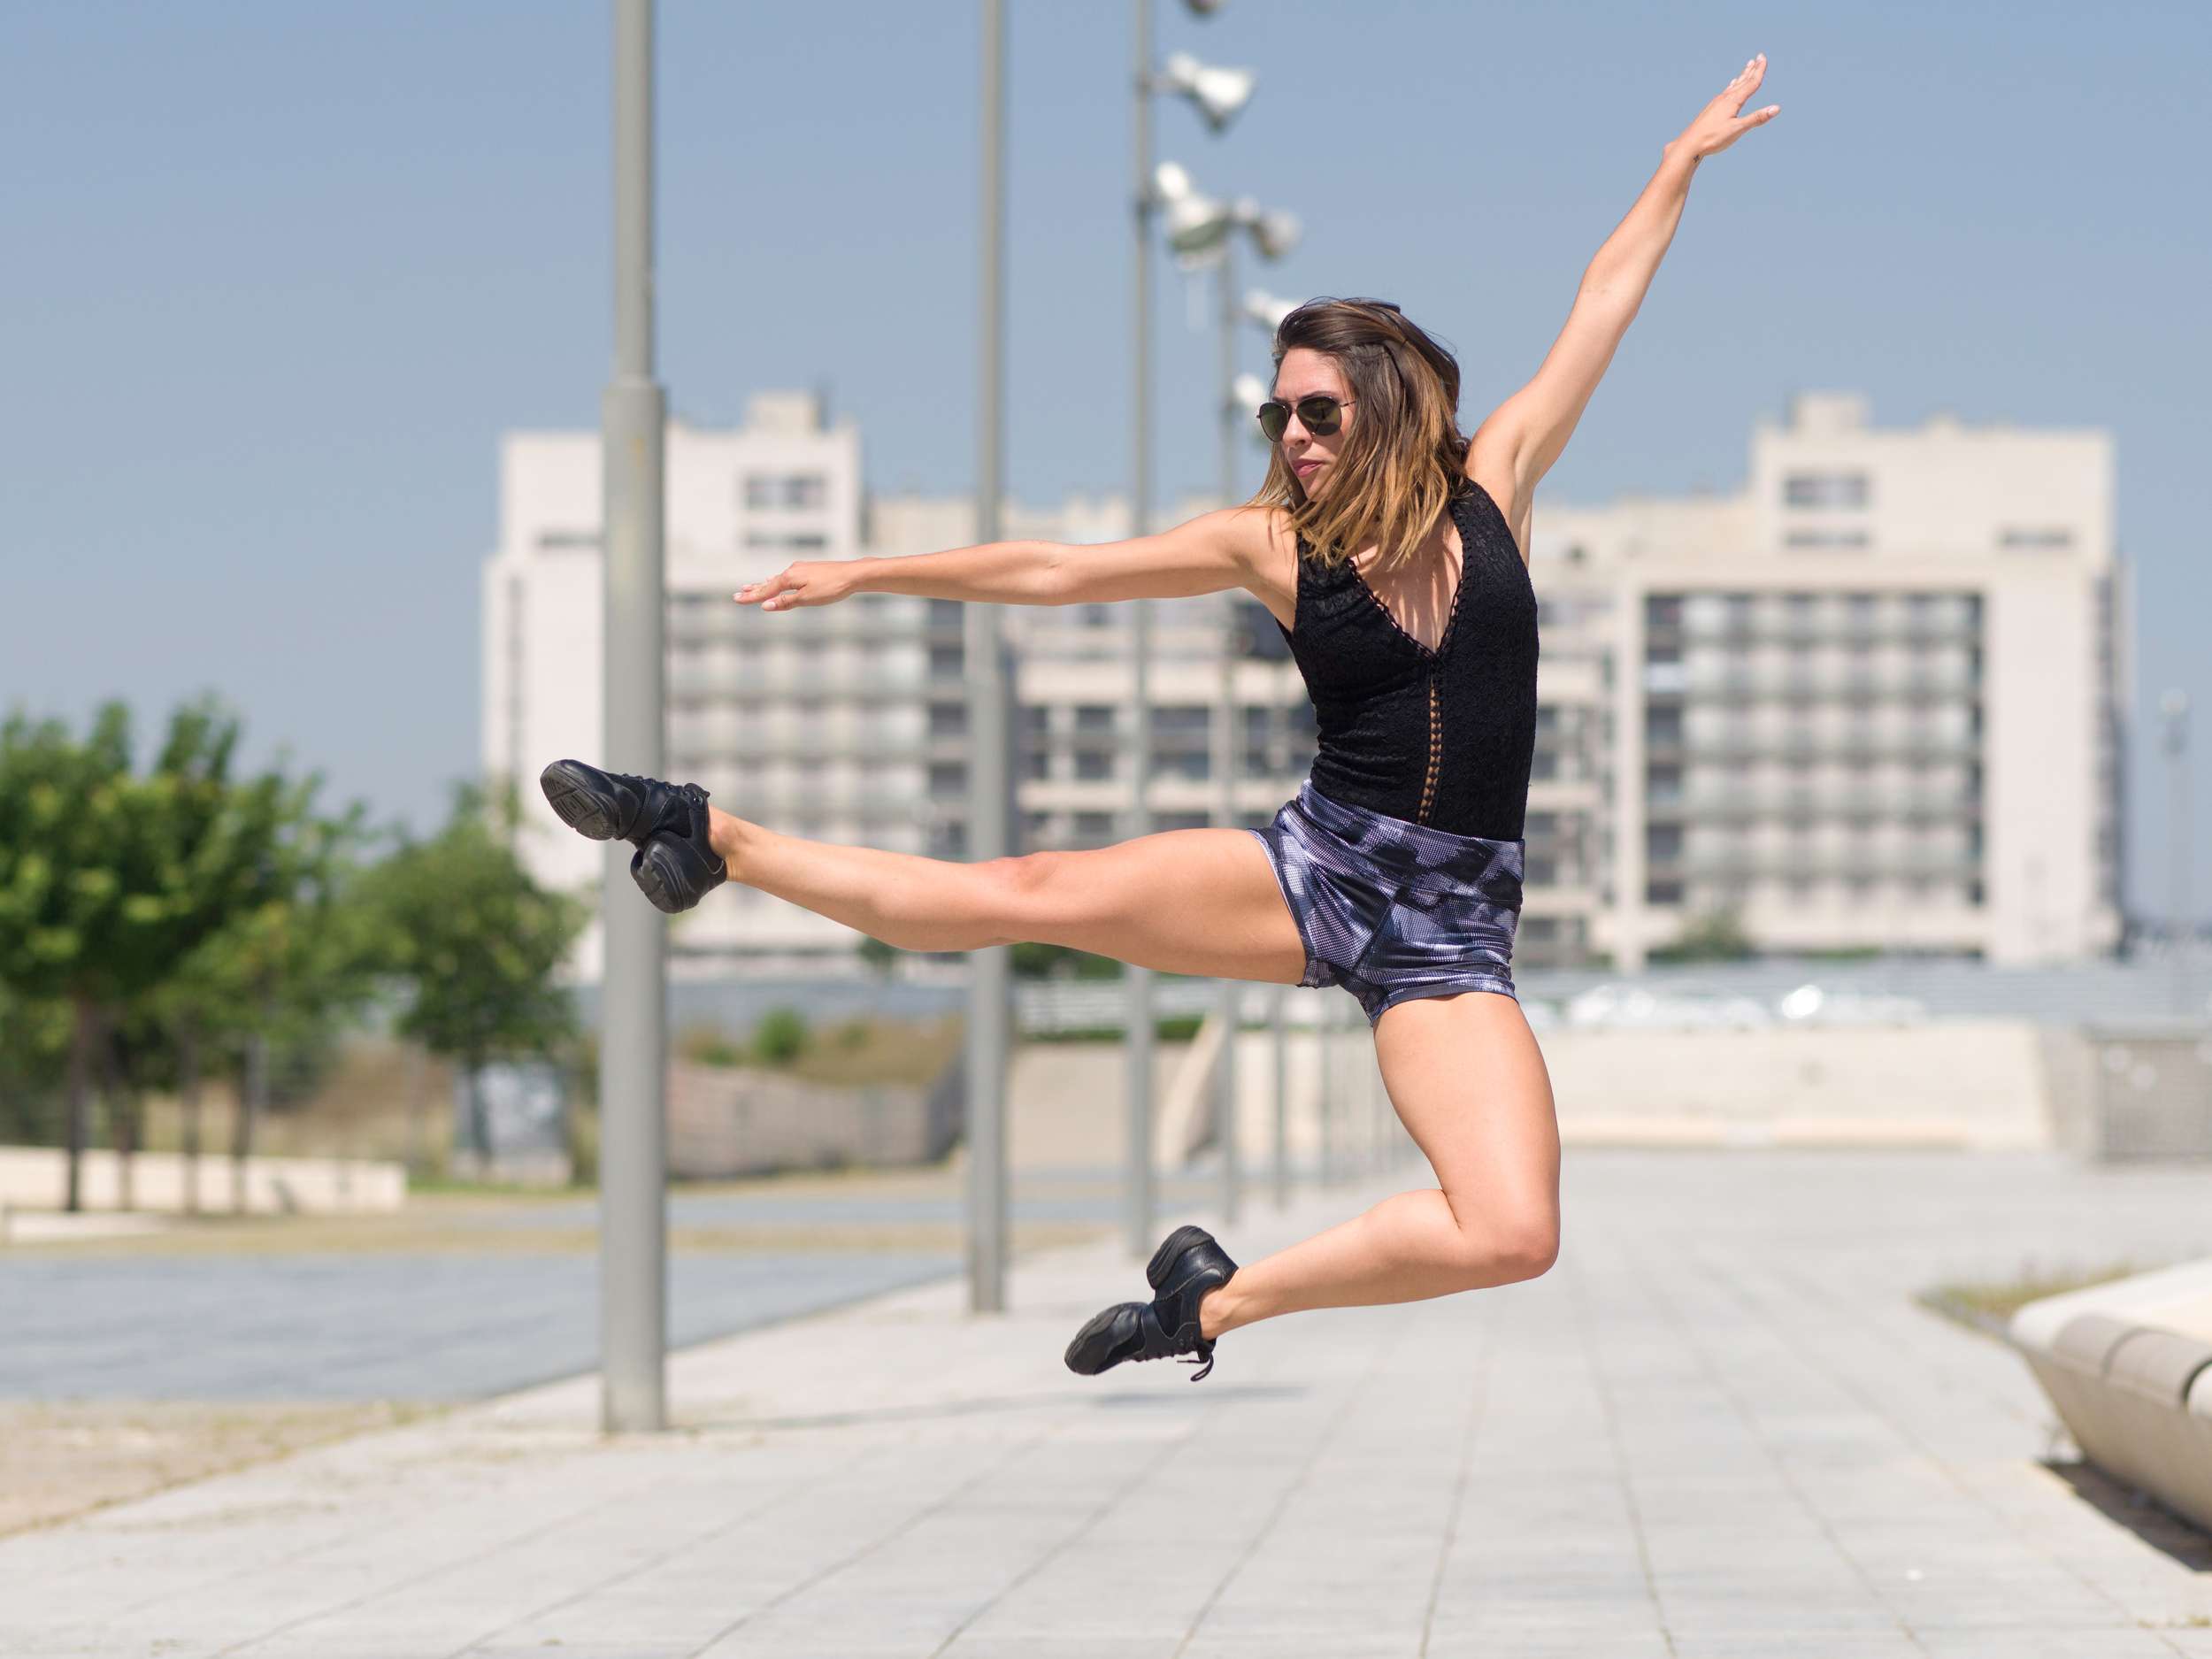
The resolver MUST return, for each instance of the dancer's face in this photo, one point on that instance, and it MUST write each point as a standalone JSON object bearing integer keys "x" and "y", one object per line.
{"x": 1305, "y": 373}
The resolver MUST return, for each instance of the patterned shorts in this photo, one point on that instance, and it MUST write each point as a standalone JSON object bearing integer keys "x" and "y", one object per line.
{"x": 1390, "y": 908}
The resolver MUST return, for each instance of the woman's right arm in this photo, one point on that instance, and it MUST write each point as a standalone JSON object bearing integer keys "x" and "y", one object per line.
{"x": 1009, "y": 572}
{"x": 1210, "y": 552}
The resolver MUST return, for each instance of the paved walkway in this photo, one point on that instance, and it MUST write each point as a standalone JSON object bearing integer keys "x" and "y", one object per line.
{"x": 1718, "y": 1427}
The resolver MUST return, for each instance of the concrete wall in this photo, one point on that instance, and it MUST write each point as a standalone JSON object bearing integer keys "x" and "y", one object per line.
{"x": 36, "y": 1178}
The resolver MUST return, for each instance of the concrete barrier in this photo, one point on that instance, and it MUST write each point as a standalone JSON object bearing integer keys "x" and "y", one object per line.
{"x": 37, "y": 1177}
{"x": 725, "y": 1121}
{"x": 2128, "y": 1365}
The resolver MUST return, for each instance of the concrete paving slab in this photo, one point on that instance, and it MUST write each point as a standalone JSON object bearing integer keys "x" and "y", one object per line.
{"x": 1719, "y": 1426}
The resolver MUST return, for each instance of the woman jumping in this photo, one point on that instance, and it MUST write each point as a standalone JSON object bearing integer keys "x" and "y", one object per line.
{"x": 1393, "y": 553}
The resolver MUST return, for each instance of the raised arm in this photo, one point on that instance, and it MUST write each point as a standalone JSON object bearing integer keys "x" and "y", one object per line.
{"x": 1210, "y": 552}
{"x": 1524, "y": 435}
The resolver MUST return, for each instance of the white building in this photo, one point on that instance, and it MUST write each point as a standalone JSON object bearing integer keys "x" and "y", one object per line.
{"x": 1875, "y": 701}
{"x": 815, "y": 717}
{"x": 1871, "y": 702}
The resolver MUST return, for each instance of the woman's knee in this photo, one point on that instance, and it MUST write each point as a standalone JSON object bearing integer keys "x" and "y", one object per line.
{"x": 1505, "y": 1248}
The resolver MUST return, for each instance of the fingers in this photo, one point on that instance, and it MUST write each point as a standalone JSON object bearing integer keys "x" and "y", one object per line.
{"x": 778, "y": 592}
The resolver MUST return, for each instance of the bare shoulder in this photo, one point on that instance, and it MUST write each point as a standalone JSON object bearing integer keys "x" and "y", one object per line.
{"x": 1494, "y": 464}
{"x": 1266, "y": 551}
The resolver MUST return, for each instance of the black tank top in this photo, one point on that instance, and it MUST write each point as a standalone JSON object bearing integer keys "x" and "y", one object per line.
{"x": 1445, "y": 737}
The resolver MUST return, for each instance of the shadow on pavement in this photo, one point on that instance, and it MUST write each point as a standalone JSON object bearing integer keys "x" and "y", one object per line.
{"x": 2160, "y": 1529}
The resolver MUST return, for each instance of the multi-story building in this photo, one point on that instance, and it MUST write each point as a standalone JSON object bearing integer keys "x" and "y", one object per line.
{"x": 1873, "y": 701}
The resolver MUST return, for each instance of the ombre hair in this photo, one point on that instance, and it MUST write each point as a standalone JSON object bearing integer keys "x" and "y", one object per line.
{"x": 1403, "y": 457}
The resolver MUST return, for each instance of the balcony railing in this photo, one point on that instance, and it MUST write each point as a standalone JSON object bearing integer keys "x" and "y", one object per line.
{"x": 1861, "y": 863}
{"x": 1818, "y": 747}
{"x": 698, "y": 748}
{"x": 1740, "y": 685}
{"x": 1940, "y": 627}
{"x": 1851, "y": 805}
{"x": 872, "y": 681}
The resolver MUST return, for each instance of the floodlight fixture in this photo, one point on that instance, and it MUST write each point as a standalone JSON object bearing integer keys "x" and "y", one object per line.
{"x": 1274, "y": 231}
{"x": 1267, "y": 310}
{"x": 1216, "y": 91}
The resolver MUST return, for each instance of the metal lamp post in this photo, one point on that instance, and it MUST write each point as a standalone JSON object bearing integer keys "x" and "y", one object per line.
{"x": 1217, "y": 94}
{"x": 990, "y": 991}
{"x": 633, "y": 1145}
{"x": 2174, "y": 707}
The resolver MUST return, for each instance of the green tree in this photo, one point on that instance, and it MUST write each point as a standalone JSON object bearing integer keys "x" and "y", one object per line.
{"x": 475, "y": 941}
{"x": 280, "y": 979}
{"x": 1713, "y": 936}
{"x": 781, "y": 1037}
{"x": 108, "y": 880}
{"x": 34, "y": 1065}
{"x": 880, "y": 957}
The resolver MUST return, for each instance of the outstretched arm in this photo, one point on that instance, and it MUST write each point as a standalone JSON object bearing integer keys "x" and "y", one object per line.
{"x": 1526, "y": 432}
{"x": 1213, "y": 551}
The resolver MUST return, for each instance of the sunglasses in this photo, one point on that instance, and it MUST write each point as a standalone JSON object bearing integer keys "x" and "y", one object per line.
{"x": 1319, "y": 414}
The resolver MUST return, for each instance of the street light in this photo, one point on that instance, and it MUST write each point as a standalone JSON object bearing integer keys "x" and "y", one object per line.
{"x": 1217, "y": 94}
{"x": 1201, "y": 229}
{"x": 2174, "y": 707}
{"x": 1267, "y": 310}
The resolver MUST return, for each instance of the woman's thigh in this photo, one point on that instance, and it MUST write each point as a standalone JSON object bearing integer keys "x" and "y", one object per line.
{"x": 1469, "y": 1083}
{"x": 1192, "y": 901}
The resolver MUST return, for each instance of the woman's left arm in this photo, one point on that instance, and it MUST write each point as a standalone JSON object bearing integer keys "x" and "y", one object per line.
{"x": 1526, "y": 432}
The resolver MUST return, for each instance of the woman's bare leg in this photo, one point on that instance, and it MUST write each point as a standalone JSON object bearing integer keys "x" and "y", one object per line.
{"x": 1464, "y": 1071}
{"x": 1470, "y": 1085}
{"x": 1195, "y": 901}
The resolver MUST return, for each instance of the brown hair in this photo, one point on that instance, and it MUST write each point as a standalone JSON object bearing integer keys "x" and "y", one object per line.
{"x": 1403, "y": 457}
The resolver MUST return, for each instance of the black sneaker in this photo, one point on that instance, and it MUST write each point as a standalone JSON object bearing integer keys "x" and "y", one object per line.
{"x": 676, "y": 868}
{"x": 612, "y": 805}
{"x": 1188, "y": 1264}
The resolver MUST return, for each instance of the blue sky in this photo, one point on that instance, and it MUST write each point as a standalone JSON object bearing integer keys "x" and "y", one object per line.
{"x": 280, "y": 275}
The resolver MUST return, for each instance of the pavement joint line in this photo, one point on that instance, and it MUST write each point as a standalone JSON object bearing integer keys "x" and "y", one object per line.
{"x": 1168, "y": 1450}
{"x": 1949, "y": 1474}
{"x": 1624, "y": 1470}
{"x": 1321, "y": 1443}
{"x": 781, "y": 1495}
{"x": 847, "y": 1561}
{"x": 1857, "y": 1315}
{"x": 1496, "y": 1306}
{"x": 428, "y": 1576}
{"x": 1722, "y": 1276}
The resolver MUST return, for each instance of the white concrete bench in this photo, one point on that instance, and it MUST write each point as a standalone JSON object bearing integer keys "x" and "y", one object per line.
{"x": 2128, "y": 1365}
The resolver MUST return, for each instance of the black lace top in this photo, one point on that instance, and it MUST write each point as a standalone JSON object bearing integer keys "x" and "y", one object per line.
{"x": 1445, "y": 737}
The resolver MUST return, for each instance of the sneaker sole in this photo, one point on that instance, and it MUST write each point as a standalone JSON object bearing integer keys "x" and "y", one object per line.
{"x": 1163, "y": 1258}
{"x": 645, "y": 872}
{"x": 577, "y": 801}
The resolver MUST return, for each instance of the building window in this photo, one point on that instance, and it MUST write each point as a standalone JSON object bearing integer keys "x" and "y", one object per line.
{"x": 1663, "y": 893}
{"x": 792, "y": 489}
{"x": 1824, "y": 489}
{"x": 1826, "y": 539}
{"x": 1092, "y": 827}
{"x": 1093, "y": 716}
{"x": 2044, "y": 537}
{"x": 1091, "y": 764}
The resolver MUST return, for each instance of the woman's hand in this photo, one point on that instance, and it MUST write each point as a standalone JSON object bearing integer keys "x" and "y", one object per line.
{"x": 808, "y": 582}
{"x": 1718, "y": 125}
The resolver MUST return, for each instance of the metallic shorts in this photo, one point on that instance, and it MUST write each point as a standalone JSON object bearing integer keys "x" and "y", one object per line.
{"x": 1390, "y": 908}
